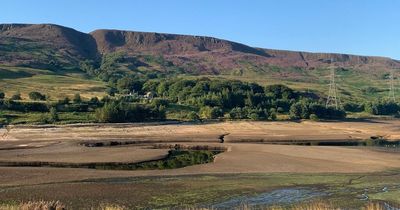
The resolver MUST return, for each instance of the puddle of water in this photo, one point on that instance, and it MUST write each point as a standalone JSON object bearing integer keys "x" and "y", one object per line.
{"x": 276, "y": 197}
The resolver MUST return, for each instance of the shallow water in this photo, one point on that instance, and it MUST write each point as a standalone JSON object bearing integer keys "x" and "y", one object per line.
{"x": 278, "y": 197}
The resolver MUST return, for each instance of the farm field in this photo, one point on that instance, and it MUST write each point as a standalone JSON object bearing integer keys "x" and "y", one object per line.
{"x": 259, "y": 158}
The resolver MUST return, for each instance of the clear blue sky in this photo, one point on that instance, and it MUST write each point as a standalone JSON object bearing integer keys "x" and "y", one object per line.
{"x": 366, "y": 27}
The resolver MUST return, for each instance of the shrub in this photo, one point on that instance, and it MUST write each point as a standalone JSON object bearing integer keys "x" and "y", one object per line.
{"x": 237, "y": 113}
{"x": 65, "y": 100}
{"x": 77, "y": 98}
{"x": 36, "y": 96}
{"x": 159, "y": 102}
{"x": 94, "y": 101}
{"x": 16, "y": 96}
{"x": 257, "y": 114}
{"x": 193, "y": 116}
{"x": 25, "y": 106}
{"x": 211, "y": 112}
{"x": 254, "y": 116}
{"x": 353, "y": 107}
{"x": 110, "y": 112}
{"x": 295, "y": 111}
{"x": 111, "y": 91}
{"x": 53, "y": 115}
{"x": 129, "y": 84}
{"x": 314, "y": 117}
{"x": 272, "y": 116}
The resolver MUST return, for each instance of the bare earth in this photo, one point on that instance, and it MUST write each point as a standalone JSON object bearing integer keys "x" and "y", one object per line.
{"x": 247, "y": 151}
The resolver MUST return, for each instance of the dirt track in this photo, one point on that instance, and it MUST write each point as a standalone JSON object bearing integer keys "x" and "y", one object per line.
{"x": 61, "y": 143}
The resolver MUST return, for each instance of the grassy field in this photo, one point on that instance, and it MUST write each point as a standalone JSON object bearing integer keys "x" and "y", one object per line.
{"x": 353, "y": 85}
{"x": 15, "y": 117}
{"x": 55, "y": 84}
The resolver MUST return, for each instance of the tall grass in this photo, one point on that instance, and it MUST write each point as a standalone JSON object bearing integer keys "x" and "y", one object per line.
{"x": 34, "y": 205}
{"x": 314, "y": 205}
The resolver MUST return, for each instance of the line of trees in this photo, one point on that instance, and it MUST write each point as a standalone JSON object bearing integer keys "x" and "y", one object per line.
{"x": 208, "y": 98}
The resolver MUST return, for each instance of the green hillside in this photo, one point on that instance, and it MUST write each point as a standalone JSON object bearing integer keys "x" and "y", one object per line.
{"x": 56, "y": 84}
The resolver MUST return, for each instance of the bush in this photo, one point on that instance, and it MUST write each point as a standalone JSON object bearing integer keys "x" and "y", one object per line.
{"x": 129, "y": 84}
{"x": 53, "y": 115}
{"x": 237, "y": 113}
{"x": 257, "y": 114}
{"x": 94, "y": 101}
{"x": 295, "y": 111}
{"x": 159, "y": 102}
{"x": 353, "y": 107}
{"x": 36, "y": 96}
{"x": 2, "y": 95}
{"x": 254, "y": 116}
{"x": 272, "y": 116}
{"x": 16, "y": 96}
{"x": 193, "y": 116}
{"x": 25, "y": 106}
{"x": 65, "y": 100}
{"x": 314, "y": 117}
{"x": 77, "y": 98}
{"x": 110, "y": 112}
{"x": 111, "y": 91}
{"x": 211, "y": 112}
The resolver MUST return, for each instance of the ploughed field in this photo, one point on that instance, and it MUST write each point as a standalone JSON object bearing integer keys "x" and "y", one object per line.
{"x": 100, "y": 161}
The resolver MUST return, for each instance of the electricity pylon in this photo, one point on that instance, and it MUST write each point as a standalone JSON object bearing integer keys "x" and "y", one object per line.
{"x": 391, "y": 87}
{"x": 333, "y": 98}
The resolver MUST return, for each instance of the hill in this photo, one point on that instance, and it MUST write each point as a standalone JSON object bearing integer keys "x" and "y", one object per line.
{"x": 212, "y": 55}
{"x": 59, "y": 50}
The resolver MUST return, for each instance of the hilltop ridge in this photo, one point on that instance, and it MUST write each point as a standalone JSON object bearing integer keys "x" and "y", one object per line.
{"x": 36, "y": 45}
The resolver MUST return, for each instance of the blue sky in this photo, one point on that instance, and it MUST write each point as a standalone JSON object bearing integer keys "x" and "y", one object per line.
{"x": 365, "y": 27}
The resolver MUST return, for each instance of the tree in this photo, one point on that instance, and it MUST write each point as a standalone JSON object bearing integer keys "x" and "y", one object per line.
{"x": 94, "y": 101}
{"x": 111, "y": 91}
{"x": 36, "y": 96}
{"x": 279, "y": 92}
{"x": 295, "y": 111}
{"x": 115, "y": 112}
{"x": 77, "y": 98}
{"x": 237, "y": 113}
{"x": 16, "y": 96}
{"x": 110, "y": 112}
{"x": 65, "y": 100}
{"x": 88, "y": 66}
{"x": 53, "y": 115}
{"x": 211, "y": 112}
{"x": 129, "y": 84}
